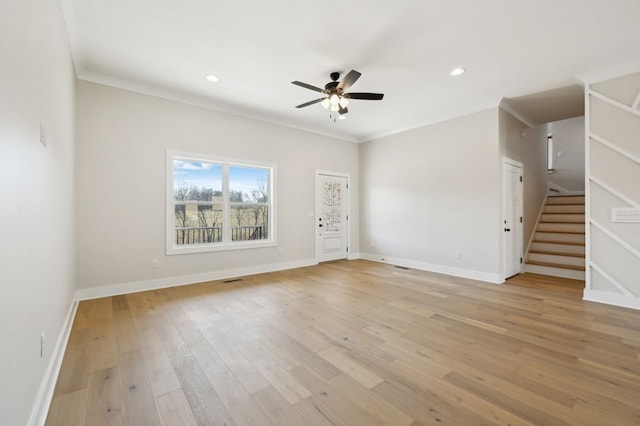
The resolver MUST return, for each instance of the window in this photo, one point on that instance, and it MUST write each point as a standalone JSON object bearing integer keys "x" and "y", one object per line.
{"x": 549, "y": 153}
{"x": 217, "y": 204}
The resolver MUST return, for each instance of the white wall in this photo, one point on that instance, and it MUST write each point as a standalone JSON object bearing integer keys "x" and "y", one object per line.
{"x": 568, "y": 154}
{"x": 122, "y": 138}
{"x": 432, "y": 191}
{"x": 36, "y": 189}
{"x": 613, "y": 161}
{"x": 528, "y": 146}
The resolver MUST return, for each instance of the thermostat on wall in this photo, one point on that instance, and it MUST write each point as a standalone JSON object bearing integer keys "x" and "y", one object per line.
{"x": 625, "y": 214}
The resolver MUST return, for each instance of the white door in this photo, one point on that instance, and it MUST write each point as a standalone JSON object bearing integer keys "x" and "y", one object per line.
{"x": 512, "y": 221}
{"x": 332, "y": 205}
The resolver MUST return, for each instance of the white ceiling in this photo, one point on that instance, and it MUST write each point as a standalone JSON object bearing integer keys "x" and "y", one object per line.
{"x": 403, "y": 48}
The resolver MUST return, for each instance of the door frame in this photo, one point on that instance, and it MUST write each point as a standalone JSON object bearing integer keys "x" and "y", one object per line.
{"x": 317, "y": 210}
{"x": 520, "y": 209}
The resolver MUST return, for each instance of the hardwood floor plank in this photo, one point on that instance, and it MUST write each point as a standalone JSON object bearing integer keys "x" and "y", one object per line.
{"x": 103, "y": 400}
{"x": 331, "y": 401}
{"x": 205, "y": 403}
{"x": 235, "y": 398}
{"x": 352, "y": 343}
{"x": 138, "y": 405}
{"x": 292, "y": 390}
{"x": 276, "y": 408}
{"x": 162, "y": 377}
{"x": 370, "y": 402}
{"x": 173, "y": 409}
{"x": 356, "y": 371}
{"x": 68, "y": 409}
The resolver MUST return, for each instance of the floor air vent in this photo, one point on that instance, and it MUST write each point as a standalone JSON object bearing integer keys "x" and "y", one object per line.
{"x": 402, "y": 267}
{"x": 232, "y": 281}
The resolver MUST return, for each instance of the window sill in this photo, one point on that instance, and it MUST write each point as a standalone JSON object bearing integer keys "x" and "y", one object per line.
{"x": 206, "y": 248}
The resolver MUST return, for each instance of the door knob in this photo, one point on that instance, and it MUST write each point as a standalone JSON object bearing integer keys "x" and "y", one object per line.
{"x": 320, "y": 226}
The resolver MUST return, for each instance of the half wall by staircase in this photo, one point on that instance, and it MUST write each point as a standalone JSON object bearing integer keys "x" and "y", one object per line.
{"x": 613, "y": 172}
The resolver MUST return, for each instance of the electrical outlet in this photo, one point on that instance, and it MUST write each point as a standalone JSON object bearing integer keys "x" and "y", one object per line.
{"x": 42, "y": 345}
{"x": 155, "y": 264}
{"x": 458, "y": 254}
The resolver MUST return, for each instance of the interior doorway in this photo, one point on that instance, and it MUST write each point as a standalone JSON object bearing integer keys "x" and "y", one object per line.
{"x": 332, "y": 216}
{"x": 512, "y": 195}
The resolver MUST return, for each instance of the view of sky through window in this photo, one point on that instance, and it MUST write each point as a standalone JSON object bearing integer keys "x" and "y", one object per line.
{"x": 209, "y": 175}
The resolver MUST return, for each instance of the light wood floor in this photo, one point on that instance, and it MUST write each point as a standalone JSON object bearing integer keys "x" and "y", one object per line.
{"x": 352, "y": 343}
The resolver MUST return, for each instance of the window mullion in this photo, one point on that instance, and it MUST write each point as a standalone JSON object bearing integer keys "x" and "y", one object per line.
{"x": 226, "y": 209}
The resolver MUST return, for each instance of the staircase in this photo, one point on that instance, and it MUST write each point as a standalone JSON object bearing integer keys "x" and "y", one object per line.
{"x": 558, "y": 245}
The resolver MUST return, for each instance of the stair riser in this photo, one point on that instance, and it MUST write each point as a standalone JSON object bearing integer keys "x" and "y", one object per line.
{"x": 576, "y": 199}
{"x": 567, "y": 217}
{"x": 552, "y": 236}
{"x": 562, "y": 208}
{"x": 561, "y": 248}
{"x": 561, "y": 227}
{"x": 553, "y": 258}
{"x": 555, "y": 272}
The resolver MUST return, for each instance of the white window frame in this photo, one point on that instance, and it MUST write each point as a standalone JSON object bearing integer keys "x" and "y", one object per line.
{"x": 226, "y": 243}
{"x": 550, "y": 153}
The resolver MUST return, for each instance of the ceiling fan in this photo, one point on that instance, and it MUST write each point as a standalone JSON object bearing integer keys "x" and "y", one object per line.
{"x": 336, "y": 96}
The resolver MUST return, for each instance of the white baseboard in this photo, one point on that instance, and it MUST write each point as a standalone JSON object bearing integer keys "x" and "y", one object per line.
{"x": 45, "y": 393}
{"x": 136, "y": 286}
{"x": 441, "y": 269}
{"x": 611, "y": 299}
{"x": 354, "y": 256}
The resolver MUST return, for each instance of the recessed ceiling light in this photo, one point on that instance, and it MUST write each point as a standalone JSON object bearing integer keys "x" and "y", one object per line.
{"x": 212, "y": 78}
{"x": 457, "y": 71}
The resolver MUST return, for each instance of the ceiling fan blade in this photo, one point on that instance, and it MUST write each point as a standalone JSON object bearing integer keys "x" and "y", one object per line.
{"x": 307, "y": 86}
{"x": 365, "y": 96}
{"x": 348, "y": 80}
{"x": 315, "y": 101}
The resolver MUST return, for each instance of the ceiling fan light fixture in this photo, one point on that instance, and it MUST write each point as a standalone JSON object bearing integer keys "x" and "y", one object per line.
{"x": 457, "y": 71}
{"x": 336, "y": 94}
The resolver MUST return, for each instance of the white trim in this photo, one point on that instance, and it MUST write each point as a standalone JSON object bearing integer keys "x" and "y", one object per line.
{"x": 173, "y": 249}
{"x": 611, "y": 280}
{"x": 533, "y": 234}
{"x": 561, "y": 190}
{"x": 354, "y": 256}
{"x": 613, "y": 147}
{"x": 209, "y": 104}
{"x": 617, "y": 239}
{"x": 613, "y": 191}
{"x": 44, "y": 397}
{"x": 76, "y": 38}
{"x": 520, "y": 225}
{"x": 508, "y": 107}
{"x": 490, "y": 277}
{"x": 609, "y": 72}
{"x": 614, "y": 103}
{"x": 636, "y": 102}
{"x": 587, "y": 188}
{"x": 137, "y": 286}
{"x": 441, "y": 119}
{"x": 611, "y": 299}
